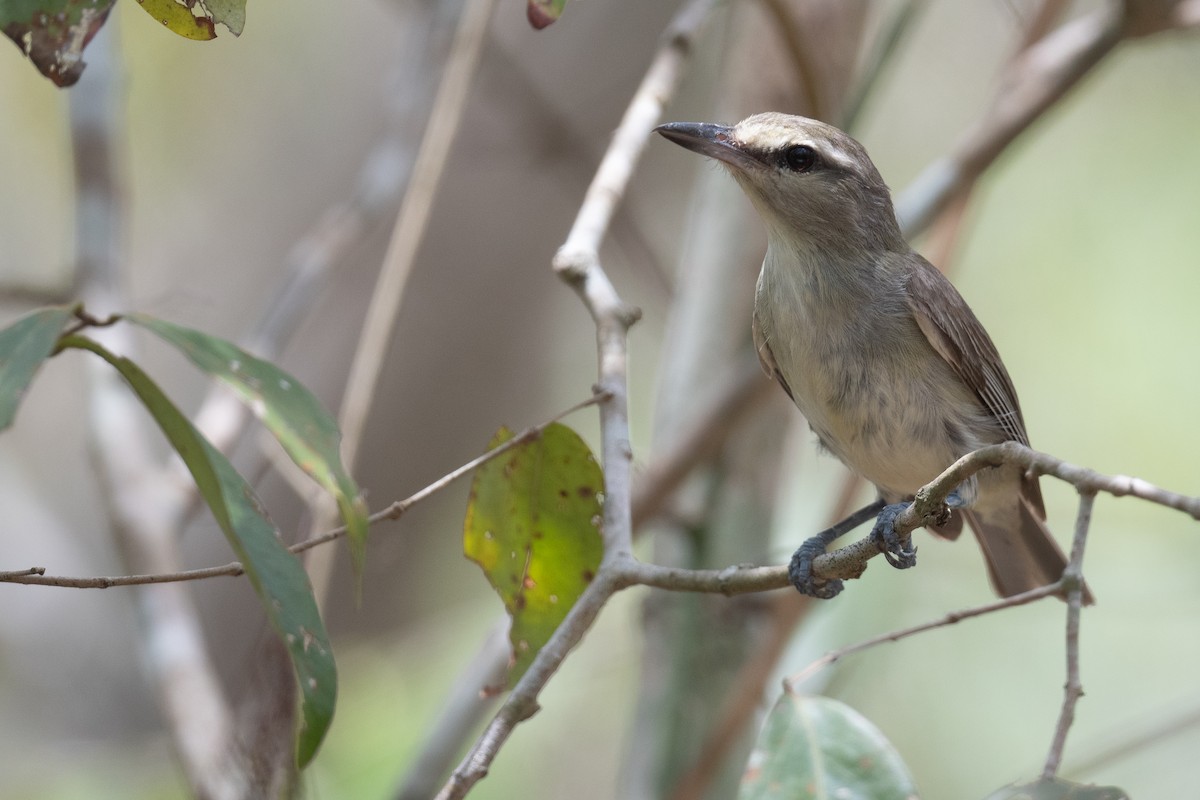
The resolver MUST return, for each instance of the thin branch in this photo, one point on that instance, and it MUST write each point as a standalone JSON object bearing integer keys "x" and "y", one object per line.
{"x": 578, "y": 263}
{"x": 793, "y": 682}
{"x": 376, "y": 336}
{"x": 36, "y": 576}
{"x": 1072, "y": 581}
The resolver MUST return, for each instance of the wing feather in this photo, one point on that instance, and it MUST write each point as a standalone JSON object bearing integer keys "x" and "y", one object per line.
{"x": 958, "y": 337}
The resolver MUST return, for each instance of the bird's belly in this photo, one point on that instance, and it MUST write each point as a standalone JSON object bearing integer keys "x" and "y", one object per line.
{"x": 898, "y": 428}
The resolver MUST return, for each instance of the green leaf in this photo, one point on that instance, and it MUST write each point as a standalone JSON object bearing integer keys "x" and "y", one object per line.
{"x": 53, "y": 33}
{"x": 276, "y": 575}
{"x": 307, "y": 432}
{"x": 543, "y": 12}
{"x": 533, "y": 527}
{"x": 197, "y": 19}
{"x": 820, "y": 749}
{"x": 1056, "y": 789}
{"x": 180, "y": 18}
{"x": 24, "y": 345}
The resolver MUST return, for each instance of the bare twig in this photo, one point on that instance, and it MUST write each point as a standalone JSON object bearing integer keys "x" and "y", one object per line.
{"x": 578, "y": 263}
{"x": 1072, "y": 581}
{"x": 375, "y": 339}
{"x": 36, "y": 576}
{"x": 793, "y": 682}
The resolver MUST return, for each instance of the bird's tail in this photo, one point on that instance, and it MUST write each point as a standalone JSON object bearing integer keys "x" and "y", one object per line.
{"x": 1020, "y": 551}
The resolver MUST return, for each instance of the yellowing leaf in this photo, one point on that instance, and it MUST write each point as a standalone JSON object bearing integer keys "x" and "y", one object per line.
{"x": 179, "y": 18}
{"x": 533, "y": 527}
{"x": 197, "y": 19}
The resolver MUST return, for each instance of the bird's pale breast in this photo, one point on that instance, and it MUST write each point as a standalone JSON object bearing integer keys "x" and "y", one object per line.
{"x": 868, "y": 382}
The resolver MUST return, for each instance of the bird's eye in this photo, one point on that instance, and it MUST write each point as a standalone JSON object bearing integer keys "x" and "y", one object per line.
{"x": 800, "y": 158}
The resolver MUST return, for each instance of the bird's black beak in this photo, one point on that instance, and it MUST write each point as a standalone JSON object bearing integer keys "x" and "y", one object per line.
{"x": 709, "y": 139}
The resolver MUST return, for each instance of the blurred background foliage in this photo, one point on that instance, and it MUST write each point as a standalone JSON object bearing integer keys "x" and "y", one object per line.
{"x": 1079, "y": 254}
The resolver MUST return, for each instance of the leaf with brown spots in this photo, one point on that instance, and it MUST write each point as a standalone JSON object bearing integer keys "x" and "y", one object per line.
{"x": 532, "y": 526}
{"x": 816, "y": 748}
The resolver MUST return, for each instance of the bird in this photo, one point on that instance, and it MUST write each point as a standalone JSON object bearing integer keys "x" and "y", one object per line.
{"x": 892, "y": 370}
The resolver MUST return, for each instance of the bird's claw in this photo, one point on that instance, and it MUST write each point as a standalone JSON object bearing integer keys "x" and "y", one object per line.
{"x": 898, "y": 550}
{"x": 800, "y": 571}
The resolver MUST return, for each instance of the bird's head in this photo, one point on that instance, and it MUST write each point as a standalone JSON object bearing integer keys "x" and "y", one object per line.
{"x": 809, "y": 181}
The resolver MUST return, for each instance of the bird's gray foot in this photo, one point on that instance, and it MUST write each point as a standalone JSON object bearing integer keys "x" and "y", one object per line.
{"x": 898, "y": 551}
{"x": 800, "y": 567}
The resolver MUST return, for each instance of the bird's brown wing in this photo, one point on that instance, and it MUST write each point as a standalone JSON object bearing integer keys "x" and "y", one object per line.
{"x": 766, "y": 357}
{"x": 958, "y": 337}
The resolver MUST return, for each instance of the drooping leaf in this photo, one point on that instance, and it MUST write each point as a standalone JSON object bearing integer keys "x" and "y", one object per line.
{"x": 543, "y": 12}
{"x": 1057, "y": 789}
{"x": 53, "y": 33}
{"x": 307, "y": 432}
{"x": 816, "y": 748}
{"x": 276, "y": 575}
{"x": 24, "y": 345}
{"x": 532, "y": 525}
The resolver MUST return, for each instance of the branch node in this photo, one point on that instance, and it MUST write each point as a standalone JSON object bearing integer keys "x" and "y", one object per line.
{"x": 628, "y": 315}
{"x": 571, "y": 264}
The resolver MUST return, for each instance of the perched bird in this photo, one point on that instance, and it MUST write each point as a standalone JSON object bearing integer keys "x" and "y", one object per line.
{"x": 893, "y": 371}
